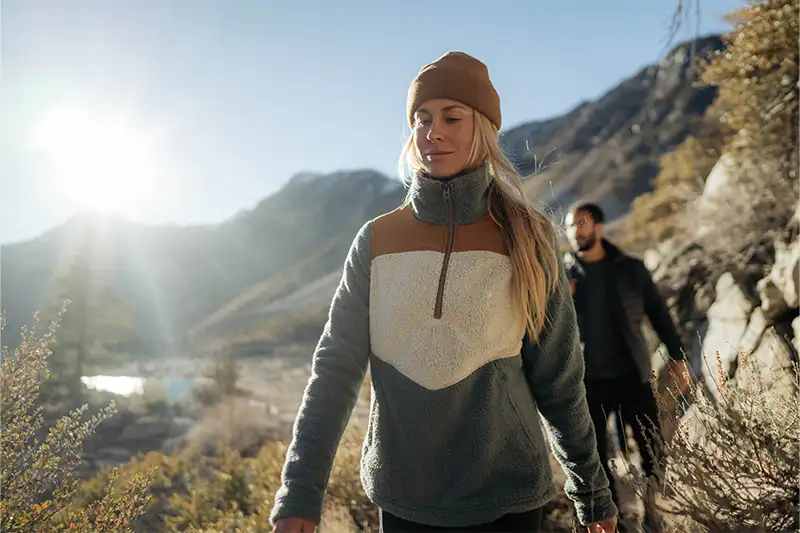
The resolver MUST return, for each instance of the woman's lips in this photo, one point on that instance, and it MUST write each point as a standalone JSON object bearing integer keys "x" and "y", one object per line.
{"x": 437, "y": 155}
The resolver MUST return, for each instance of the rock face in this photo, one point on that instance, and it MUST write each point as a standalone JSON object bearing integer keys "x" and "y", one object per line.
{"x": 607, "y": 150}
{"x": 728, "y": 319}
{"x": 773, "y": 364}
{"x": 796, "y": 330}
{"x": 746, "y": 315}
{"x": 779, "y": 290}
{"x": 759, "y": 326}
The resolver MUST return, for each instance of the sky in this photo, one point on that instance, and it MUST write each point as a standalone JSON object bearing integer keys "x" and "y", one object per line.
{"x": 188, "y": 111}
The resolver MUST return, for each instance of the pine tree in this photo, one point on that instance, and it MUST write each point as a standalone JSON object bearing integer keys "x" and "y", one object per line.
{"x": 97, "y": 319}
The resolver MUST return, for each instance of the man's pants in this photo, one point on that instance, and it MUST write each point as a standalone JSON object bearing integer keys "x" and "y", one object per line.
{"x": 636, "y": 404}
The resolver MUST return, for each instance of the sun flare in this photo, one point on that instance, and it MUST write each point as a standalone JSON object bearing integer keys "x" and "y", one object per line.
{"x": 99, "y": 164}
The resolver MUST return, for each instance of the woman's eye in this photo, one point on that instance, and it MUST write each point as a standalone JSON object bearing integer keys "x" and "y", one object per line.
{"x": 452, "y": 119}
{"x": 423, "y": 121}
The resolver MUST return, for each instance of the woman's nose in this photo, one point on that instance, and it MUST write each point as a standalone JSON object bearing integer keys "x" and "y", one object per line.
{"x": 435, "y": 133}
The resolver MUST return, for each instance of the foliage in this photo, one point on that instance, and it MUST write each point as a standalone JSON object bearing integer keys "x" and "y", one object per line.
{"x": 238, "y": 424}
{"x": 754, "y": 123}
{"x": 757, "y": 78}
{"x": 758, "y": 98}
{"x": 225, "y": 492}
{"x": 223, "y": 378}
{"x": 37, "y": 481}
{"x": 731, "y": 463}
{"x": 229, "y": 492}
{"x": 98, "y": 321}
{"x": 656, "y": 216}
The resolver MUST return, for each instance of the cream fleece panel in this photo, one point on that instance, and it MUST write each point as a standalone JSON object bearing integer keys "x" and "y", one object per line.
{"x": 478, "y": 323}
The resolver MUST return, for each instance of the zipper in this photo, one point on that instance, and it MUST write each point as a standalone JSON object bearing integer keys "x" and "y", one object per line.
{"x": 448, "y": 203}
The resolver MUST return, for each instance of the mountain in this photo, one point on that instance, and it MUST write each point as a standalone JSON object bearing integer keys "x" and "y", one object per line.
{"x": 607, "y": 150}
{"x": 241, "y": 278}
{"x": 174, "y": 277}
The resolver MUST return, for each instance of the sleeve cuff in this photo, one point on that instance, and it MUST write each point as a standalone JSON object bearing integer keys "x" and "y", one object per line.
{"x": 600, "y": 507}
{"x": 297, "y": 501}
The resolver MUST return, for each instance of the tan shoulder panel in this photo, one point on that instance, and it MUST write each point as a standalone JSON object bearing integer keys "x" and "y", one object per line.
{"x": 399, "y": 231}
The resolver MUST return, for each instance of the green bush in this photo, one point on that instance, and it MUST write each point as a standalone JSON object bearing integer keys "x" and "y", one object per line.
{"x": 39, "y": 489}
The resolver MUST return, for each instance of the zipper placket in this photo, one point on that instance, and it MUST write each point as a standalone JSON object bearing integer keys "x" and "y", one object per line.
{"x": 448, "y": 203}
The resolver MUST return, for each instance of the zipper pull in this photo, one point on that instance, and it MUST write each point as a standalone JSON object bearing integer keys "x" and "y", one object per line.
{"x": 446, "y": 191}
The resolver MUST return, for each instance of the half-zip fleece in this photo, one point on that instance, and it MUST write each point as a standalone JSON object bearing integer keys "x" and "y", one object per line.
{"x": 460, "y": 396}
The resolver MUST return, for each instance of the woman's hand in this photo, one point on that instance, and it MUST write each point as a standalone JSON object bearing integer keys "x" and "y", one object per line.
{"x": 294, "y": 524}
{"x": 606, "y": 526}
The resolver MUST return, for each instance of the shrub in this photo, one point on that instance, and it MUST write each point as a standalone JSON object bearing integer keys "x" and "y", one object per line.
{"x": 757, "y": 76}
{"x": 657, "y": 215}
{"x": 38, "y": 486}
{"x": 222, "y": 378}
{"x": 231, "y": 492}
{"x": 236, "y": 424}
{"x": 753, "y": 123}
{"x": 731, "y": 464}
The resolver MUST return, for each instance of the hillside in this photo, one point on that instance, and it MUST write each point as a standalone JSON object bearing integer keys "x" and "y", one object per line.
{"x": 605, "y": 150}
{"x": 176, "y": 276}
{"x": 202, "y": 283}
{"x": 608, "y": 150}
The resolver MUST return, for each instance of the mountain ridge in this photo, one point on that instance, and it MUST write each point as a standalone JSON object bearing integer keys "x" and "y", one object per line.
{"x": 211, "y": 280}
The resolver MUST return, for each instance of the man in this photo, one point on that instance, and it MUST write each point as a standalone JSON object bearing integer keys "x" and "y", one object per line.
{"x": 613, "y": 293}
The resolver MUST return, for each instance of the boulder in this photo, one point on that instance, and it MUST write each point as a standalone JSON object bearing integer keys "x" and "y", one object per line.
{"x": 728, "y": 319}
{"x": 772, "y": 302}
{"x": 751, "y": 338}
{"x": 796, "y": 329}
{"x": 778, "y": 291}
{"x": 768, "y": 367}
{"x": 786, "y": 271}
{"x": 651, "y": 259}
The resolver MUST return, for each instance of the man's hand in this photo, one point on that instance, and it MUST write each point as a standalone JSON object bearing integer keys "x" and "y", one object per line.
{"x": 606, "y": 526}
{"x": 294, "y": 524}
{"x": 679, "y": 375}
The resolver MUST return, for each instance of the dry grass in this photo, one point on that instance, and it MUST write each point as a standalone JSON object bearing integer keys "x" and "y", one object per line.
{"x": 237, "y": 423}
{"x": 731, "y": 464}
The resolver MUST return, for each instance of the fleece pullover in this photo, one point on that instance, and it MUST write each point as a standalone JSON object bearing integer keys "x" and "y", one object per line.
{"x": 455, "y": 436}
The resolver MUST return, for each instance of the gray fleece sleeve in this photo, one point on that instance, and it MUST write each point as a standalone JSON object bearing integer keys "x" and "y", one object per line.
{"x": 337, "y": 372}
{"x": 555, "y": 368}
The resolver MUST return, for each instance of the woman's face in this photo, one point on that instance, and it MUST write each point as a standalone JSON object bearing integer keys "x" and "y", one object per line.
{"x": 443, "y": 131}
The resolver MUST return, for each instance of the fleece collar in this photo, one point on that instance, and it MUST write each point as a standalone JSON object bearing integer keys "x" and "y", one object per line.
{"x": 469, "y": 194}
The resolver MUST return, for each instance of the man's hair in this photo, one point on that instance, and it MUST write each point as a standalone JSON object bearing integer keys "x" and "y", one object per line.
{"x": 593, "y": 209}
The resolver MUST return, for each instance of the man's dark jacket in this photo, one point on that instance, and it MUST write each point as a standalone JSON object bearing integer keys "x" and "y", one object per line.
{"x": 637, "y": 298}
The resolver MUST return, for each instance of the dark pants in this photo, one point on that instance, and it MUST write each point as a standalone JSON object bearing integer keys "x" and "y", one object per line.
{"x": 529, "y": 521}
{"x": 635, "y": 403}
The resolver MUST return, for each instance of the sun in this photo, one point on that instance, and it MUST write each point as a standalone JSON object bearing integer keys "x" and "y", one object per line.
{"x": 102, "y": 165}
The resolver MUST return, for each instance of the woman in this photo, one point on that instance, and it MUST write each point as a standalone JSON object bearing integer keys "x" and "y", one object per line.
{"x": 460, "y": 305}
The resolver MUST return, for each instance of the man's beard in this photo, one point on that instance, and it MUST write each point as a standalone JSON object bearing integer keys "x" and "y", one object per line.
{"x": 588, "y": 244}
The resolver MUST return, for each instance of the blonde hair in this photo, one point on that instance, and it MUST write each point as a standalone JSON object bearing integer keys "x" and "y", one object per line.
{"x": 528, "y": 234}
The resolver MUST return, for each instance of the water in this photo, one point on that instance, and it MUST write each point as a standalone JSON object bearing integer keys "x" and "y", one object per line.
{"x": 130, "y": 385}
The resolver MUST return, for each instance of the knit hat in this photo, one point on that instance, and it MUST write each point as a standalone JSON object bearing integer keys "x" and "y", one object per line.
{"x": 455, "y": 76}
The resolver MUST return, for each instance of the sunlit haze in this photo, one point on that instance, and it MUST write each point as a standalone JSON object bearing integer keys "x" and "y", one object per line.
{"x": 190, "y": 111}
{"x": 99, "y": 163}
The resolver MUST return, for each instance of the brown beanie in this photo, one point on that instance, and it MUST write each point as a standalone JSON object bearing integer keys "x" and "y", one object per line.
{"x": 455, "y": 76}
